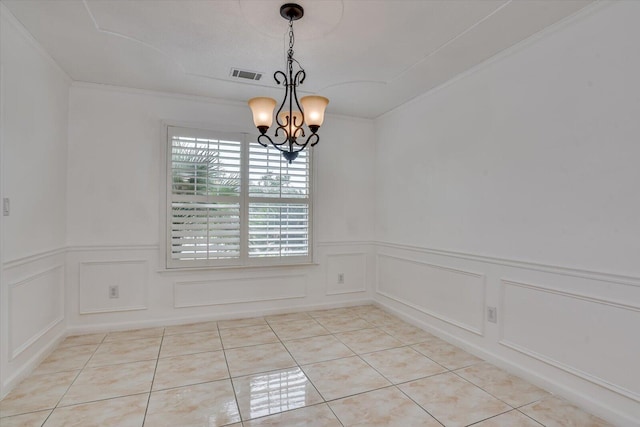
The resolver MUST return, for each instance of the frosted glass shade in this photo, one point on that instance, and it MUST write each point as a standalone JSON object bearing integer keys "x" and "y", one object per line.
{"x": 262, "y": 109}
{"x": 296, "y": 119}
{"x": 313, "y": 107}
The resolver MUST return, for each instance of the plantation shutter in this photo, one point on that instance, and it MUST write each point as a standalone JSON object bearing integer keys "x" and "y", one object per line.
{"x": 205, "y": 198}
{"x": 278, "y": 203}
{"x": 235, "y": 203}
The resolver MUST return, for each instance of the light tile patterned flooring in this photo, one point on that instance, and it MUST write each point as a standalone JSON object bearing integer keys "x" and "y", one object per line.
{"x": 341, "y": 367}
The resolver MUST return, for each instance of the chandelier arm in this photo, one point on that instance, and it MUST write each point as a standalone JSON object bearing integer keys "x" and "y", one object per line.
{"x": 287, "y": 140}
{"x": 285, "y": 83}
{"x": 316, "y": 138}
{"x": 299, "y": 133}
{"x": 291, "y": 95}
{"x": 300, "y": 76}
{"x": 297, "y": 150}
{"x": 265, "y": 136}
{"x": 275, "y": 76}
{"x": 276, "y": 134}
{"x": 298, "y": 79}
{"x": 278, "y": 145}
{"x": 312, "y": 140}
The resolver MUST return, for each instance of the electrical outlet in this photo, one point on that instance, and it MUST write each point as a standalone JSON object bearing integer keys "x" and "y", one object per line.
{"x": 340, "y": 278}
{"x": 114, "y": 291}
{"x": 6, "y": 207}
{"x": 492, "y": 314}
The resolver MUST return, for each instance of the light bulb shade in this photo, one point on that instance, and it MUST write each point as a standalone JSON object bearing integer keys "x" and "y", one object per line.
{"x": 296, "y": 119}
{"x": 313, "y": 107}
{"x": 262, "y": 109}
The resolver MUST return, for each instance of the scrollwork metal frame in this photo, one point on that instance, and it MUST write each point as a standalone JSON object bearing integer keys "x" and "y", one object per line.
{"x": 290, "y": 146}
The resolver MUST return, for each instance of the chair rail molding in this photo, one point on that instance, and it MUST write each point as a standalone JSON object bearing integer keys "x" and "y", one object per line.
{"x": 601, "y": 276}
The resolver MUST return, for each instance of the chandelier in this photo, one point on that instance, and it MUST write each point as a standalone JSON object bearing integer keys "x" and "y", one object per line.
{"x": 293, "y": 114}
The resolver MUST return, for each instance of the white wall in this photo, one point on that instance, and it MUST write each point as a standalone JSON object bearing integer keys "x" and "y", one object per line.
{"x": 513, "y": 186}
{"x": 517, "y": 186}
{"x": 33, "y": 175}
{"x": 115, "y": 227}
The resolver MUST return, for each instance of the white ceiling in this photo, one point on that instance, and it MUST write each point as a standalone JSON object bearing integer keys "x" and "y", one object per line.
{"x": 366, "y": 56}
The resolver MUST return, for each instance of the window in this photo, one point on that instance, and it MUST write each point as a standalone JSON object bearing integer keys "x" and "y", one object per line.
{"x": 234, "y": 202}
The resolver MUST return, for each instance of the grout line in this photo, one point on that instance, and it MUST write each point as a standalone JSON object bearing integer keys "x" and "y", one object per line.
{"x": 292, "y": 410}
{"x": 100, "y": 400}
{"x": 398, "y": 388}
{"x": 324, "y": 401}
{"x": 334, "y": 414}
{"x": 155, "y": 369}
{"x": 477, "y": 385}
{"x": 185, "y": 354}
{"x": 174, "y": 387}
{"x": 493, "y": 395}
{"x": 75, "y": 379}
{"x": 528, "y": 416}
{"x": 190, "y": 333}
{"x": 233, "y": 388}
{"x": 359, "y": 393}
{"x": 489, "y": 418}
{"x": 420, "y": 406}
{"x": 305, "y": 374}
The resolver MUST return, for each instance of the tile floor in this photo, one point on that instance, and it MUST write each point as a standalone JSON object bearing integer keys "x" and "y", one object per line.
{"x": 341, "y": 367}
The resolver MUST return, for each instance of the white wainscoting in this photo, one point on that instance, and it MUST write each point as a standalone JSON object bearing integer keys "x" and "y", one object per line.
{"x": 571, "y": 331}
{"x": 36, "y": 305}
{"x": 95, "y": 278}
{"x": 450, "y": 294}
{"x": 184, "y": 295}
{"x": 33, "y": 313}
{"x": 577, "y": 333}
{"x": 353, "y": 268}
{"x": 196, "y": 293}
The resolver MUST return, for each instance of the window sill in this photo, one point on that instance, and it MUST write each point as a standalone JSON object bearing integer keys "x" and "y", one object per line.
{"x": 182, "y": 270}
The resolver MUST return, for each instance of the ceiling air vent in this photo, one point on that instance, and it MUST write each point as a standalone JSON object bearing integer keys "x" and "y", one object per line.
{"x": 245, "y": 74}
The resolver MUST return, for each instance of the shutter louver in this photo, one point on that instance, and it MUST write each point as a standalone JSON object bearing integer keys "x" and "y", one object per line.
{"x": 278, "y": 229}
{"x": 205, "y": 231}
{"x": 205, "y": 199}
{"x": 270, "y": 175}
{"x": 278, "y": 203}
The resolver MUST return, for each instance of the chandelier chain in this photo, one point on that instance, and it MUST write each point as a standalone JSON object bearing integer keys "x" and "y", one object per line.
{"x": 292, "y": 41}
{"x": 291, "y": 36}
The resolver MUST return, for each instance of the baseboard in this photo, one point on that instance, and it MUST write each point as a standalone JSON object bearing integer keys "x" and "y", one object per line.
{"x": 27, "y": 368}
{"x": 123, "y": 326}
{"x": 577, "y": 397}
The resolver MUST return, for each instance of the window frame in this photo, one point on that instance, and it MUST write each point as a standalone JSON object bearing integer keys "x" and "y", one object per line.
{"x": 243, "y": 261}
